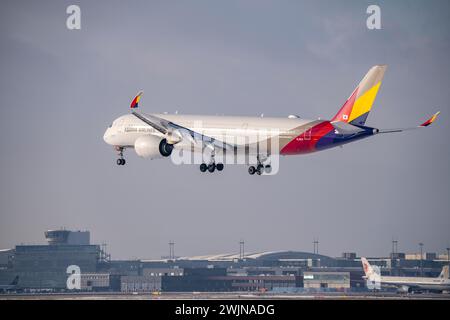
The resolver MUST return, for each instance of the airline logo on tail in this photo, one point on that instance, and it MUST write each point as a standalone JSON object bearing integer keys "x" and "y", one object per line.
{"x": 368, "y": 270}
{"x": 357, "y": 107}
{"x": 444, "y": 273}
{"x": 373, "y": 275}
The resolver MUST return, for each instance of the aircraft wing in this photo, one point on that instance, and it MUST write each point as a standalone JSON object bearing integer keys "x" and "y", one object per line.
{"x": 157, "y": 123}
{"x": 423, "y": 125}
{"x": 176, "y": 133}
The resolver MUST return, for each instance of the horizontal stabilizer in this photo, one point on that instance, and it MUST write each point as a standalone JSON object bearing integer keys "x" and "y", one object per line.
{"x": 341, "y": 127}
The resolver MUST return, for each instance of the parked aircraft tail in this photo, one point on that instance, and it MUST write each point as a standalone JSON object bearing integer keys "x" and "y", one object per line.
{"x": 444, "y": 273}
{"x": 368, "y": 269}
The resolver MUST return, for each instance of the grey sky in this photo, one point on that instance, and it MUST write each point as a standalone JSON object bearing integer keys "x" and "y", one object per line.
{"x": 59, "y": 90}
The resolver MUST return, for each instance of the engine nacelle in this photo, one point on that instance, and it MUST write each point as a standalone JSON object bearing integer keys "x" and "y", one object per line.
{"x": 404, "y": 289}
{"x": 147, "y": 146}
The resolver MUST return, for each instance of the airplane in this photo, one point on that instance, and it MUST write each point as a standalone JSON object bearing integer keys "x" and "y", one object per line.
{"x": 4, "y": 288}
{"x": 157, "y": 135}
{"x": 407, "y": 284}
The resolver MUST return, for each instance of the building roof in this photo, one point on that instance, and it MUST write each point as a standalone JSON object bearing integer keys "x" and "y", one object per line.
{"x": 265, "y": 255}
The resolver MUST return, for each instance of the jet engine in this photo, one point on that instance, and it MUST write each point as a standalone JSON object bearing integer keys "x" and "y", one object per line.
{"x": 404, "y": 289}
{"x": 152, "y": 147}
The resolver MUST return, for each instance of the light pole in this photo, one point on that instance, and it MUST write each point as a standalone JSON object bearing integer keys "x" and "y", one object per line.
{"x": 421, "y": 257}
{"x": 241, "y": 250}
{"x": 316, "y": 246}
{"x": 448, "y": 257}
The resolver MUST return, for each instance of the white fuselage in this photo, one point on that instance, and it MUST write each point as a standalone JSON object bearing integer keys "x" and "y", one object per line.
{"x": 237, "y": 130}
{"x": 417, "y": 282}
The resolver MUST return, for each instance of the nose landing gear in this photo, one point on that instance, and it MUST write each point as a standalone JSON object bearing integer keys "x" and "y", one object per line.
{"x": 121, "y": 161}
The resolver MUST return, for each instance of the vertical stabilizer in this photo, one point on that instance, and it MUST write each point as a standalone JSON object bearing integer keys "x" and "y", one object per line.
{"x": 357, "y": 107}
{"x": 444, "y": 273}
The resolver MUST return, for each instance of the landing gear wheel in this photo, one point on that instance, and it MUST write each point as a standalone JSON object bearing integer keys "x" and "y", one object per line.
{"x": 211, "y": 167}
{"x": 268, "y": 169}
{"x": 251, "y": 170}
{"x": 121, "y": 160}
{"x": 203, "y": 167}
{"x": 219, "y": 166}
{"x": 259, "y": 169}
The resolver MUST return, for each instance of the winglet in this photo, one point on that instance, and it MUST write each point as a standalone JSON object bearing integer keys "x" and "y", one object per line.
{"x": 431, "y": 120}
{"x": 135, "y": 102}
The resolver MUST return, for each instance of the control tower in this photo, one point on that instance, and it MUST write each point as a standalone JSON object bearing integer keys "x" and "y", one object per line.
{"x": 66, "y": 237}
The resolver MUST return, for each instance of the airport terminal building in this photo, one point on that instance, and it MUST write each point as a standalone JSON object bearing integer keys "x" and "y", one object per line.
{"x": 44, "y": 268}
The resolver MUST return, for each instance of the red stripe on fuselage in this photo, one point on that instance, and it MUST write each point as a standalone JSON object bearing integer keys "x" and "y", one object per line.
{"x": 306, "y": 142}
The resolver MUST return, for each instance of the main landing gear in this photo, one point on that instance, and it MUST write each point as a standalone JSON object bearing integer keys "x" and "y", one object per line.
{"x": 260, "y": 168}
{"x": 212, "y": 166}
{"x": 121, "y": 161}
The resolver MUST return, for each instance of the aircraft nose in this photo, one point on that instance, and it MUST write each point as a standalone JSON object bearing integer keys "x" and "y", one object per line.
{"x": 107, "y": 136}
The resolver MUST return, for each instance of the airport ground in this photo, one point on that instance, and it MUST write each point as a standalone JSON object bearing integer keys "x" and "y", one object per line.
{"x": 227, "y": 296}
